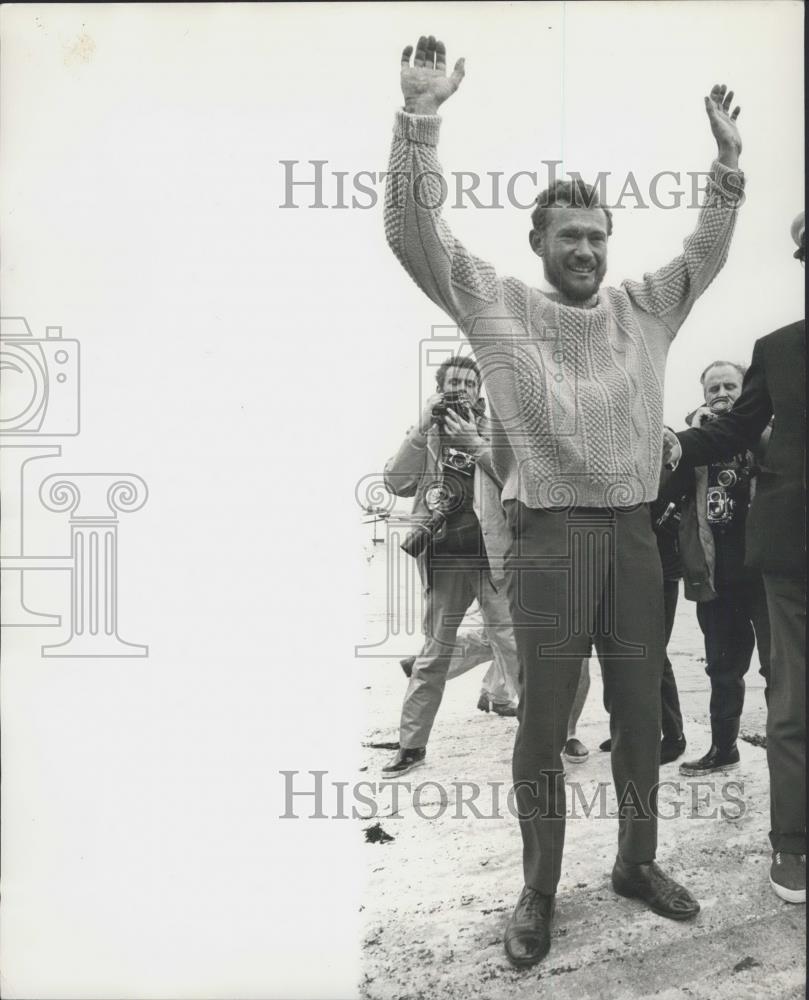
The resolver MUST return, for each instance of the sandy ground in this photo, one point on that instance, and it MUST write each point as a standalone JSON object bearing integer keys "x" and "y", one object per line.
{"x": 439, "y": 894}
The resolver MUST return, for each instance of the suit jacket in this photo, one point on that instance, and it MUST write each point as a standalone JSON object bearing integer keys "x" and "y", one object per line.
{"x": 773, "y": 386}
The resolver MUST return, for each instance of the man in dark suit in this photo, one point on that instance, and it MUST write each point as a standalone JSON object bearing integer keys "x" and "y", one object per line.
{"x": 774, "y": 386}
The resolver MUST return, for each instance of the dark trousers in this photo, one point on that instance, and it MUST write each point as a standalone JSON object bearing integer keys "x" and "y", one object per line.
{"x": 786, "y": 720}
{"x": 572, "y": 577}
{"x": 672, "y": 717}
{"x": 733, "y": 624}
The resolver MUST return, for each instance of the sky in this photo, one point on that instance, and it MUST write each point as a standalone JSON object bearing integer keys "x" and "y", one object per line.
{"x": 255, "y": 363}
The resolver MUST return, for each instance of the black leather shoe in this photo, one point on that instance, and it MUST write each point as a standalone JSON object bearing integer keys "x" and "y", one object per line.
{"x": 528, "y": 935}
{"x": 509, "y": 711}
{"x": 716, "y": 759}
{"x": 671, "y": 749}
{"x": 660, "y": 893}
{"x": 486, "y": 704}
{"x": 404, "y": 761}
{"x": 407, "y": 665}
{"x": 606, "y": 746}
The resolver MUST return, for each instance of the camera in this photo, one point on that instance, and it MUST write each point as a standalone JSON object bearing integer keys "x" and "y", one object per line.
{"x": 40, "y": 380}
{"x": 439, "y": 499}
{"x": 459, "y": 461}
{"x": 669, "y": 521}
{"x": 456, "y": 401}
{"x": 724, "y": 483}
{"x": 720, "y": 506}
{"x": 416, "y": 539}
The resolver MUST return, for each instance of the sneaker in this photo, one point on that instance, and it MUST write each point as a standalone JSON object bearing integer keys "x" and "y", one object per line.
{"x": 788, "y": 876}
{"x": 407, "y": 665}
{"x": 714, "y": 760}
{"x": 575, "y": 751}
{"x": 404, "y": 761}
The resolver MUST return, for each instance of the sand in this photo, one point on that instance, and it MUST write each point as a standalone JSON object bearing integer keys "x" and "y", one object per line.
{"x": 438, "y": 895}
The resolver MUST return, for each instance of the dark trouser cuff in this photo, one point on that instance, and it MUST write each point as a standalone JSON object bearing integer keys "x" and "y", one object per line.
{"x": 788, "y": 843}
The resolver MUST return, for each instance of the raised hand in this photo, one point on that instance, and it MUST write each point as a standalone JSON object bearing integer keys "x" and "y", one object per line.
{"x": 425, "y": 84}
{"x": 460, "y": 433}
{"x": 723, "y": 124}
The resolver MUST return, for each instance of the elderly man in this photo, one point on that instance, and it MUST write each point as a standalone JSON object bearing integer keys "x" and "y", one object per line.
{"x": 574, "y": 375}
{"x": 775, "y": 387}
{"x": 731, "y": 603}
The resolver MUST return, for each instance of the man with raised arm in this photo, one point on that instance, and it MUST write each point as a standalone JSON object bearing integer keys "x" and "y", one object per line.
{"x": 774, "y": 388}
{"x": 574, "y": 374}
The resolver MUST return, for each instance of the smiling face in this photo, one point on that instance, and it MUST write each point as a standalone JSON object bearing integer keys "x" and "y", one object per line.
{"x": 722, "y": 386}
{"x": 573, "y": 247}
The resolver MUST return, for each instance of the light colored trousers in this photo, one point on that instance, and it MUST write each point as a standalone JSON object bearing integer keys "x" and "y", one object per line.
{"x": 446, "y": 653}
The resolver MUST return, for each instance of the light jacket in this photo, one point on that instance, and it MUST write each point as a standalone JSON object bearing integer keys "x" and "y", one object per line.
{"x": 416, "y": 466}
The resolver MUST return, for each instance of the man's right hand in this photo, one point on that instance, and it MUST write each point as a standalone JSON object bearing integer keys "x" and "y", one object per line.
{"x": 701, "y": 416}
{"x": 426, "y": 420}
{"x": 425, "y": 84}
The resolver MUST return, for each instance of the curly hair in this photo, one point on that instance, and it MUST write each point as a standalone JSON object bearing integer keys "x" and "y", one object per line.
{"x": 458, "y": 360}
{"x": 567, "y": 194}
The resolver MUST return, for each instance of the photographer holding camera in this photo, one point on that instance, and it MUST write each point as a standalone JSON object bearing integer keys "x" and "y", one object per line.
{"x": 458, "y": 543}
{"x": 731, "y": 602}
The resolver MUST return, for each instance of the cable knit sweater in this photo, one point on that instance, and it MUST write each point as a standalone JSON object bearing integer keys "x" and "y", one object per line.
{"x": 576, "y": 394}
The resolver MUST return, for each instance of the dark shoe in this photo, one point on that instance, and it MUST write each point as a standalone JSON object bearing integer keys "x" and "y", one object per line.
{"x": 715, "y": 759}
{"x": 407, "y": 665}
{"x": 575, "y": 751}
{"x": 509, "y": 711}
{"x": 671, "y": 749}
{"x": 404, "y": 761}
{"x": 660, "y": 893}
{"x": 606, "y": 746}
{"x": 788, "y": 876}
{"x": 528, "y": 935}
{"x": 486, "y": 704}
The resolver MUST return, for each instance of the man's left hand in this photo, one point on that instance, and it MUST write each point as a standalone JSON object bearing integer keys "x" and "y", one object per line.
{"x": 723, "y": 125}
{"x": 460, "y": 433}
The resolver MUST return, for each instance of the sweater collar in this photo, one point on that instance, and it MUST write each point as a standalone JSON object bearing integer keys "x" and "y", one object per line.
{"x": 552, "y": 293}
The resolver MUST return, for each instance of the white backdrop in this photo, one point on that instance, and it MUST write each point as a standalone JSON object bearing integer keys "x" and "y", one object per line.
{"x": 251, "y": 364}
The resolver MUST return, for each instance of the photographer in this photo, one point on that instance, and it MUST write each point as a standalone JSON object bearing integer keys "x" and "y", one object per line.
{"x": 731, "y": 603}
{"x": 458, "y": 543}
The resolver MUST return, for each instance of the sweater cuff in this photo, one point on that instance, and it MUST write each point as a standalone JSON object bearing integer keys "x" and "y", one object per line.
{"x": 416, "y": 439}
{"x": 729, "y": 182}
{"x": 417, "y": 128}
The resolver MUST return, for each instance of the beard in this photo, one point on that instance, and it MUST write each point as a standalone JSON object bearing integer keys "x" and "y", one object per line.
{"x": 576, "y": 290}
